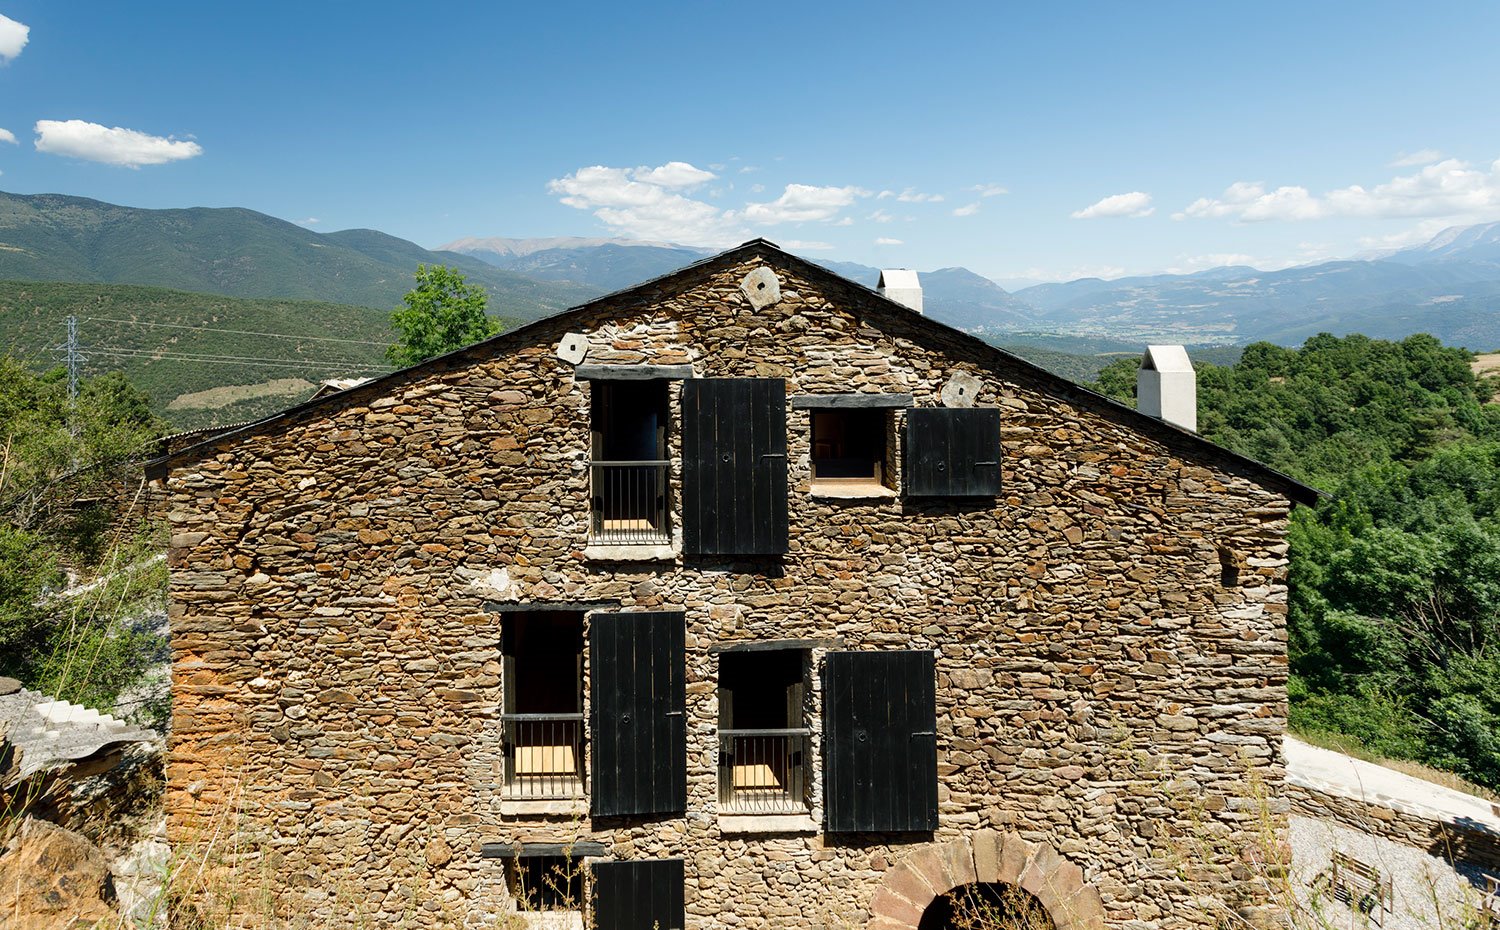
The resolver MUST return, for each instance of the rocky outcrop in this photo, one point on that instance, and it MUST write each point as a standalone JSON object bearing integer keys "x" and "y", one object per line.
{"x": 53, "y": 879}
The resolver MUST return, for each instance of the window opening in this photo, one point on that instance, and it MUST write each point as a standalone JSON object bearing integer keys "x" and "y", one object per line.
{"x": 546, "y": 883}
{"x": 763, "y": 737}
{"x": 849, "y": 448}
{"x": 1229, "y": 568}
{"x": 629, "y": 469}
{"x": 543, "y": 712}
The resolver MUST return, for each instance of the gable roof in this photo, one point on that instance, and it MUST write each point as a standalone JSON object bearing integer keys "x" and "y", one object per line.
{"x": 1056, "y": 384}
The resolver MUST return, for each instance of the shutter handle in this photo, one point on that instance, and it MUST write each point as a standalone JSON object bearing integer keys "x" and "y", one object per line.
{"x": 941, "y": 466}
{"x": 724, "y": 457}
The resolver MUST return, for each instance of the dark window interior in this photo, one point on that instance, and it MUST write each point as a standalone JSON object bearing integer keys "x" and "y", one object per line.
{"x": 546, "y": 883}
{"x": 629, "y": 420}
{"x": 762, "y": 687}
{"x": 544, "y": 651}
{"x": 849, "y": 444}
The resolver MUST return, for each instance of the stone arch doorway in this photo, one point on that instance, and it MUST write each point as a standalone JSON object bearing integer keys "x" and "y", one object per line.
{"x": 986, "y": 906}
{"x": 910, "y": 896}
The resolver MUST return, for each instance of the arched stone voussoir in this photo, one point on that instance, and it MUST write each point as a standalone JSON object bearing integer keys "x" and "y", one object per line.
{"x": 986, "y": 856}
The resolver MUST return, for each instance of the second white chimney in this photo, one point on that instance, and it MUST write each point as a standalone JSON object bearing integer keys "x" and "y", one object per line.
{"x": 902, "y": 286}
{"x": 1166, "y": 387}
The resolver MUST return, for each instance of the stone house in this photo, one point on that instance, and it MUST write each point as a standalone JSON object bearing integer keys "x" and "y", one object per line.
{"x": 747, "y": 597}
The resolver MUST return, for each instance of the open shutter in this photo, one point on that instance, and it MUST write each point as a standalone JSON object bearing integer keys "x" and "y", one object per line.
{"x": 951, "y": 452}
{"x": 734, "y": 494}
{"x": 639, "y": 734}
{"x": 639, "y": 895}
{"x": 879, "y": 742}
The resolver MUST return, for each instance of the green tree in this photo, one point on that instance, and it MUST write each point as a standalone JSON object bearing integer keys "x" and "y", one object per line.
{"x": 442, "y": 313}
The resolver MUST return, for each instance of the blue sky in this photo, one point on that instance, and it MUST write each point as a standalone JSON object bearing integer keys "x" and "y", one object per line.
{"x": 1037, "y": 141}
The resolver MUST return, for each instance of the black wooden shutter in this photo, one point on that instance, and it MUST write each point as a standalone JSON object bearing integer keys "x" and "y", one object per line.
{"x": 639, "y": 895}
{"x": 734, "y": 494}
{"x": 639, "y": 734}
{"x": 879, "y": 742}
{"x": 951, "y": 452}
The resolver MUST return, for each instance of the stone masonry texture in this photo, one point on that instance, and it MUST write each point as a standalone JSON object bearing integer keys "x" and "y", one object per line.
{"x": 1101, "y": 692}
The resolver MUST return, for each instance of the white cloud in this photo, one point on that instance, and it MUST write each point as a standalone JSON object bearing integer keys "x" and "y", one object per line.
{"x": 1416, "y": 235}
{"x": 1133, "y": 204}
{"x": 640, "y": 202}
{"x": 885, "y": 241}
{"x": 989, "y": 190}
{"x": 912, "y": 195}
{"x": 1450, "y": 188}
{"x": 76, "y": 138}
{"x": 310, "y": 221}
{"x": 650, "y": 203}
{"x": 13, "y": 38}
{"x": 801, "y": 203}
{"x": 967, "y": 209}
{"x": 881, "y": 216}
{"x": 7, "y": 136}
{"x": 846, "y": 221}
{"x": 802, "y": 245}
{"x": 1419, "y": 157}
{"x": 885, "y": 195}
{"x": 1106, "y": 272}
{"x": 674, "y": 175}
{"x": 1193, "y": 263}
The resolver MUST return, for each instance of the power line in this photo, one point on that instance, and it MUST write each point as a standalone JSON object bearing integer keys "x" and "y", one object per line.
{"x": 237, "y": 332}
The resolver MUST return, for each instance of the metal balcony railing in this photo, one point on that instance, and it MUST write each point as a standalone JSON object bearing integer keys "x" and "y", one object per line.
{"x": 763, "y": 771}
{"x": 543, "y": 755}
{"x": 629, "y": 503}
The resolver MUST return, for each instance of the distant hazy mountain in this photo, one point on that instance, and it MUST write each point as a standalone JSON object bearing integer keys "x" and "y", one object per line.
{"x": 237, "y": 252}
{"x": 1456, "y": 243}
{"x": 602, "y": 265}
{"x": 1447, "y": 287}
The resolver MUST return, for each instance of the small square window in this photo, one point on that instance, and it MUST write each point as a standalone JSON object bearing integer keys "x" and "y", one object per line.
{"x": 849, "y": 451}
{"x": 546, "y": 883}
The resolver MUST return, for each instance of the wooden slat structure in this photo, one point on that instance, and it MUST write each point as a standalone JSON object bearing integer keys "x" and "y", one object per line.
{"x": 638, "y": 895}
{"x": 734, "y": 484}
{"x": 1358, "y": 885}
{"x": 639, "y": 748}
{"x": 879, "y": 742}
{"x": 951, "y": 452}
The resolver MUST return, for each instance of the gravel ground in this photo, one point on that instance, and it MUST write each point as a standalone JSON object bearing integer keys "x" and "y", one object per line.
{"x": 1429, "y": 893}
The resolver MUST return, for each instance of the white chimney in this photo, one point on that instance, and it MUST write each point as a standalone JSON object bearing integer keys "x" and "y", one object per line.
{"x": 902, "y": 286}
{"x": 1166, "y": 387}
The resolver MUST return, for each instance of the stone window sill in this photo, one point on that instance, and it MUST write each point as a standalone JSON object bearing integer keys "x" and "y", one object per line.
{"x": 552, "y": 807}
{"x": 853, "y": 490}
{"x": 600, "y": 553}
{"x": 767, "y": 823}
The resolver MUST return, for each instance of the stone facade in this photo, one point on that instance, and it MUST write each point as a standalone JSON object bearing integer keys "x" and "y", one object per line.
{"x": 1109, "y": 633}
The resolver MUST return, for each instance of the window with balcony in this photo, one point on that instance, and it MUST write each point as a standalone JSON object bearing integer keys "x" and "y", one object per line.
{"x": 628, "y": 473}
{"x": 763, "y": 735}
{"x": 543, "y": 712}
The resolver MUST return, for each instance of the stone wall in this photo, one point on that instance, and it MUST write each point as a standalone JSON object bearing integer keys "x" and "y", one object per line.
{"x": 1448, "y": 839}
{"x": 337, "y": 675}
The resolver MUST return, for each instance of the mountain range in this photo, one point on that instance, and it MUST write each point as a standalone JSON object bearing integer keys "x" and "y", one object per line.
{"x": 238, "y": 253}
{"x": 1449, "y": 286}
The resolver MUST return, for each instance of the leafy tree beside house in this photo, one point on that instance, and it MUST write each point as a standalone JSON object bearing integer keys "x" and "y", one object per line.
{"x": 443, "y": 313}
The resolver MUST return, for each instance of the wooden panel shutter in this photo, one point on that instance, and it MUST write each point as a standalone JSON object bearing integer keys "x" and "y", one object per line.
{"x": 639, "y": 734}
{"x": 734, "y": 494}
{"x": 879, "y": 742}
{"x": 951, "y": 452}
{"x": 639, "y": 895}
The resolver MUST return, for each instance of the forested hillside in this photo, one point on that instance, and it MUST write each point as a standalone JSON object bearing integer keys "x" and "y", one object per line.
{"x": 1395, "y": 603}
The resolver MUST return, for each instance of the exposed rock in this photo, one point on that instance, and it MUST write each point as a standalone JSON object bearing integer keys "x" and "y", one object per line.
{"x": 53, "y": 879}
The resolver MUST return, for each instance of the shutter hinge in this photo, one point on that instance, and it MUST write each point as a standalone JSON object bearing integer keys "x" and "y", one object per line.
{"x": 931, "y": 733}
{"x": 977, "y": 464}
{"x": 672, "y": 713}
{"x": 773, "y": 455}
